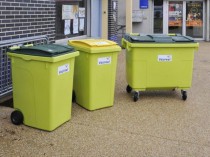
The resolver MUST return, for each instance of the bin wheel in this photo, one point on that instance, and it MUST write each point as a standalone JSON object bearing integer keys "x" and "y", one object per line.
{"x": 73, "y": 96}
{"x": 128, "y": 89}
{"x": 136, "y": 96}
{"x": 16, "y": 117}
{"x": 184, "y": 95}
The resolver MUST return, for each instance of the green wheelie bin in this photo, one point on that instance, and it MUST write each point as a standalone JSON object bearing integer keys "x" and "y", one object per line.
{"x": 42, "y": 78}
{"x": 95, "y": 72}
{"x": 158, "y": 61}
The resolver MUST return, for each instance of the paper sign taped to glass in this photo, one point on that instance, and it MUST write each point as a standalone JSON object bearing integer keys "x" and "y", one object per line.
{"x": 70, "y": 12}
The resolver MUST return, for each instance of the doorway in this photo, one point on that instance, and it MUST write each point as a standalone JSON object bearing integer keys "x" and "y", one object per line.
{"x": 184, "y": 17}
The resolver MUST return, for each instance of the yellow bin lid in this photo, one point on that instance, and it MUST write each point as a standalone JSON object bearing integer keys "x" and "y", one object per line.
{"x": 94, "y": 45}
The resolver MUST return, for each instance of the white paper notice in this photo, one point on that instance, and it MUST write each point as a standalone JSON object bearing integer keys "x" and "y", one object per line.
{"x": 75, "y": 26}
{"x": 67, "y": 27}
{"x": 81, "y": 24}
{"x": 81, "y": 12}
{"x": 66, "y": 12}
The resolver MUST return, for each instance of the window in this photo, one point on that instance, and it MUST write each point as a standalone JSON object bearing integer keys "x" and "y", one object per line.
{"x": 71, "y": 18}
{"x": 158, "y": 16}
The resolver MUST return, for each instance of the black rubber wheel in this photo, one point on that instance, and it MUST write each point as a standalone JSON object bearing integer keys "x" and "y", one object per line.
{"x": 184, "y": 95}
{"x": 136, "y": 96}
{"x": 128, "y": 89}
{"x": 17, "y": 117}
{"x": 73, "y": 96}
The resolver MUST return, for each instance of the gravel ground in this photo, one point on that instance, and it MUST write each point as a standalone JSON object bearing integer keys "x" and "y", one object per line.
{"x": 160, "y": 124}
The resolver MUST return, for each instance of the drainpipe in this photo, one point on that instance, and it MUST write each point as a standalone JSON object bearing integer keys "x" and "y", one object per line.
{"x": 129, "y": 4}
{"x": 104, "y": 19}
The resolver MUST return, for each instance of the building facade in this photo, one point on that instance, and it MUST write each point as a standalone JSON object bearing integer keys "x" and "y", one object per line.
{"x": 186, "y": 17}
{"x": 58, "y": 19}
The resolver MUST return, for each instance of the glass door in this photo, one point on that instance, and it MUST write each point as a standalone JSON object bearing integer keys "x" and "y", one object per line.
{"x": 175, "y": 17}
{"x": 184, "y": 17}
{"x": 194, "y": 19}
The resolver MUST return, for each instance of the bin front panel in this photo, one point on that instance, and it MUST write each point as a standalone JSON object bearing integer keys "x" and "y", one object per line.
{"x": 94, "y": 79}
{"x": 161, "y": 67}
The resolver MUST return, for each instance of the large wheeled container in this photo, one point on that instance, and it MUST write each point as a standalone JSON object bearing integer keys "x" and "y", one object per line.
{"x": 95, "y": 72}
{"x": 159, "y": 62}
{"x": 42, "y": 78}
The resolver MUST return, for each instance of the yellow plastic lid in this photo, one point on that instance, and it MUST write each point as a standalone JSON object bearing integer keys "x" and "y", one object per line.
{"x": 93, "y": 42}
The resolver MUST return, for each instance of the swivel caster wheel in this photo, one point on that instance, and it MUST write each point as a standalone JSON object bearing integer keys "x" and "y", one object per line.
{"x": 16, "y": 117}
{"x": 135, "y": 96}
{"x": 184, "y": 95}
{"x": 128, "y": 89}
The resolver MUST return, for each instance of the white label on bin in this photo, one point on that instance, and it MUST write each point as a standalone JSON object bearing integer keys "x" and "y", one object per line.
{"x": 164, "y": 58}
{"x": 63, "y": 69}
{"x": 101, "y": 43}
{"x": 104, "y": 60}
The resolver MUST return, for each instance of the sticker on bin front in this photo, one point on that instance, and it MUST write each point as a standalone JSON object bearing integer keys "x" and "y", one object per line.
{"x": 164, "y": 58}
{"x": 104, "y": 60}
{"x": 63, "y": 69}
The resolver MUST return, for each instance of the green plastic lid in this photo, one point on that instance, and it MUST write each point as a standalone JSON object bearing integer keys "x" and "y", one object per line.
{"x": 158, "y": 38}
{"x": 136, "y": 39}
{"x": 161, "y": 38}
{"x": 47, "y": 50}
{"x": 182, "y": 39}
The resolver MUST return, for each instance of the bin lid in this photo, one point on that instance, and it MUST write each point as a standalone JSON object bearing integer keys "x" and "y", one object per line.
{"x": 47, "y": 50}
{"x": 95, "y": 45}
{"x": 158, "y": 38}
{"x": 182, "y": 39}
{"x": 136, "y": 39}
{"x": 161, "y": 38}
{"x": 93, "y": 42}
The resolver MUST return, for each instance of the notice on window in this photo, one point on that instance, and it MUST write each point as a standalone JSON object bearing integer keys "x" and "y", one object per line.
{"x": 81, "y": 12}
{"x": 75, "y": 26}
{"x": 67, "y": 27}
{"x": 69, "y": 12}
{"x": 66, "y": 10}
{"x": 194, "y": 14}
{"x": 175, "y": 14}
{"x": 81, "y": 24}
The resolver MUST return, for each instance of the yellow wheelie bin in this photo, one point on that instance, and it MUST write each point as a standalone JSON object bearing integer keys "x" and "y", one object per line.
{"x": 42, "y": 78}
{"x": 95, "y": 72}
{"x": 159, "y": 61}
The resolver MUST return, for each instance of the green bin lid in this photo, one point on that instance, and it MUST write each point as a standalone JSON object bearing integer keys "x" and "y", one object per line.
{"x": 158, "y": 38}
{"x": 182, "y": 39}
{"x": 161, "y": 38}
{"x": 136, "y": 39}
{"x": 47, "y": 50}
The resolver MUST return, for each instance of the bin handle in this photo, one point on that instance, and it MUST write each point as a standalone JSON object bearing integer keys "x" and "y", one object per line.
{"x": 127, "y": 46}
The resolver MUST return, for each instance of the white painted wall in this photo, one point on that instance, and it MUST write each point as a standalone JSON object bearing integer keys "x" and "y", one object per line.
{"x": 146, "y": 26}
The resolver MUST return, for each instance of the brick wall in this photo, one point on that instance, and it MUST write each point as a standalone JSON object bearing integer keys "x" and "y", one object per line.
{"x": 26, "y": 18}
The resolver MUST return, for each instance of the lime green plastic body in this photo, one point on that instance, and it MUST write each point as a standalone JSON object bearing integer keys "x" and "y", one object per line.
{"x": 42, "y": 88}
{"x": 94, "y": 84}
{"x": 144, "y": 69}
